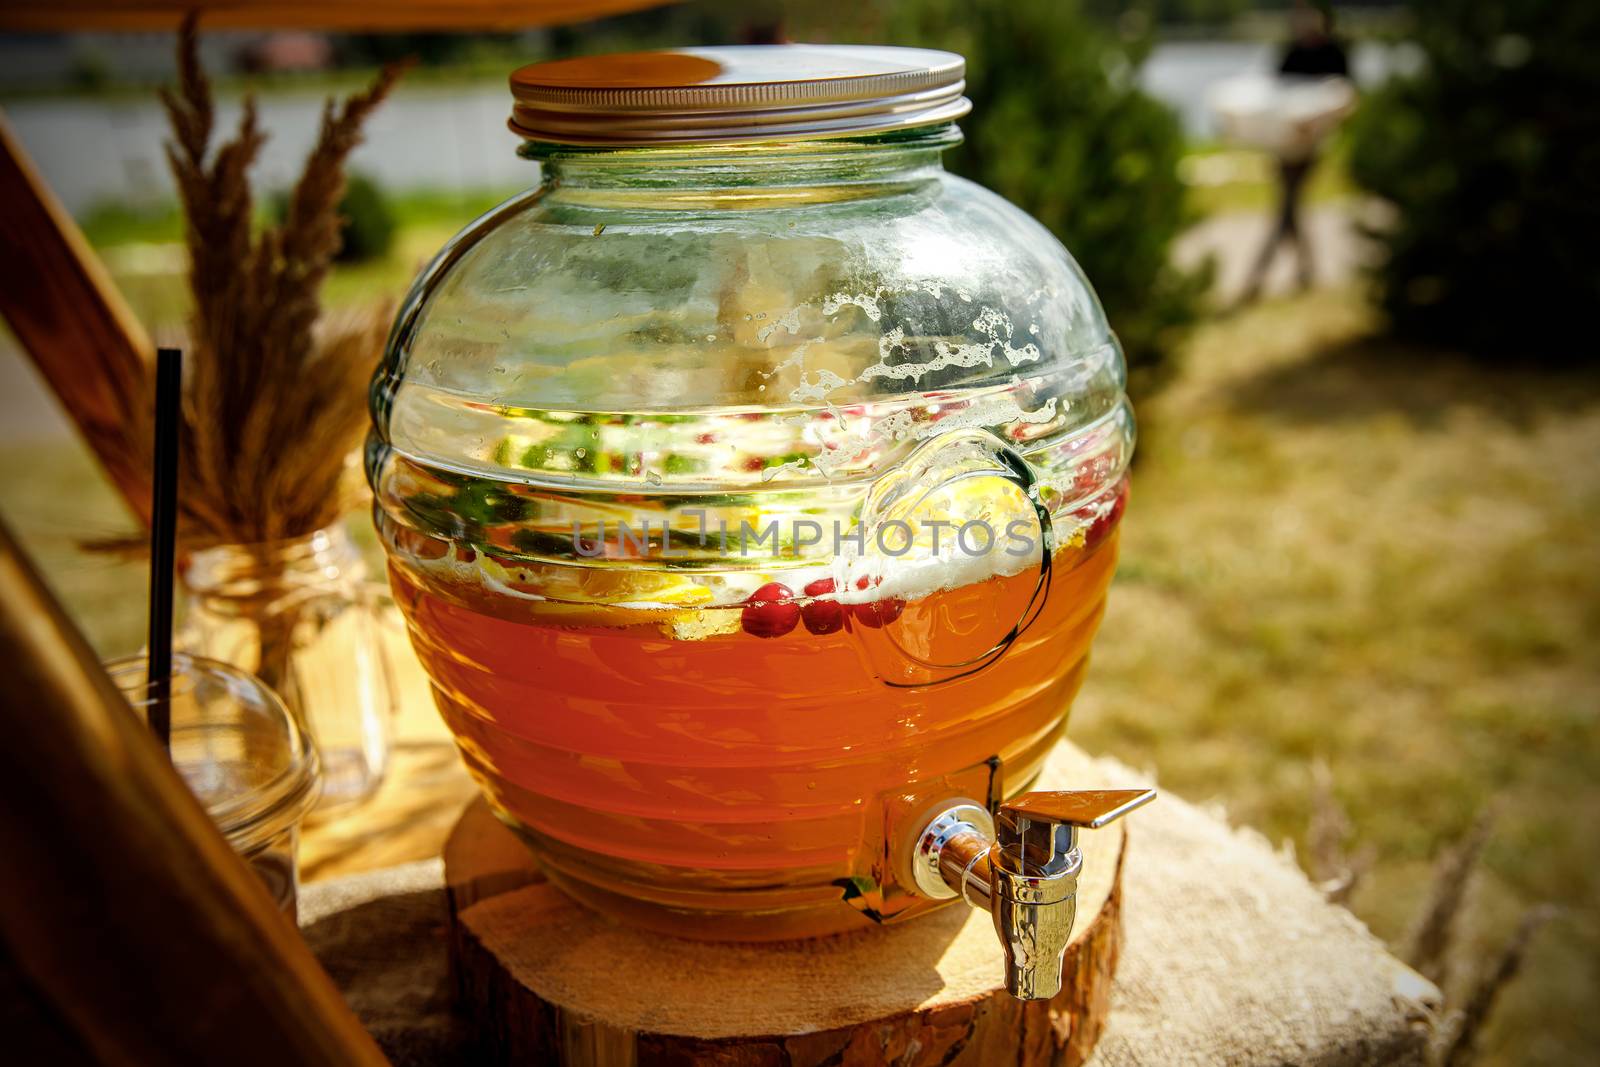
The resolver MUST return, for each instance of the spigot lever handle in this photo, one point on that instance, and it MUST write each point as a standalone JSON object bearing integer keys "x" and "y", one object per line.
{"x": 1039, "y": 831}
{"x": 1089, "y": 809}
{"x": 1024, "y": 869}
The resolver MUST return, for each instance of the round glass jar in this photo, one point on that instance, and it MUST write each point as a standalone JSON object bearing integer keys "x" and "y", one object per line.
{"x": 750, "y": 484}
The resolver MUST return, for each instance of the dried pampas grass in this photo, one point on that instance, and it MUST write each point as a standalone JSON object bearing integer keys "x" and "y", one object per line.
{"x": 274, "y": 391}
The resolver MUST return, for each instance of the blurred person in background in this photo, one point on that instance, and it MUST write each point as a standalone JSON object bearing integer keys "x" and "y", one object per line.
{"x": 1313, "y": 52}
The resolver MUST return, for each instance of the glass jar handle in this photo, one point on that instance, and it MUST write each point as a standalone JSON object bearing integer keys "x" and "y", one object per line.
{"x": 936, "y": 479}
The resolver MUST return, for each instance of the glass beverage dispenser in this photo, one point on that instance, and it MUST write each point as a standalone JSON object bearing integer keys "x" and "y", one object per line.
{"x": 751, "y": 488}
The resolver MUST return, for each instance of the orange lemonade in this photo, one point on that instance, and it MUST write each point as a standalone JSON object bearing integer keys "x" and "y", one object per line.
{"x": 735, "y": 770}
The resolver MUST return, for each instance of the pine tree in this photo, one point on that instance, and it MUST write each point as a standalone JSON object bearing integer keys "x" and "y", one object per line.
{"x": 1491, "y": 154}
{"x": 1061, "y": 129}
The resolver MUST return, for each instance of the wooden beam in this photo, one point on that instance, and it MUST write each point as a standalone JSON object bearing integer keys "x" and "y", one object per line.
{"x": 63, "y": 307}
{"x": 375, "y": 15}
{"x": 122, "y": 905}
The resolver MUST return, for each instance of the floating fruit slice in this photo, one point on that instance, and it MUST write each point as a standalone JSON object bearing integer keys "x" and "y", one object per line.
{"x": 621, "y": 586}
{"x": 614, "y": 598}
{"x": 596, "y": 584}
{"x": 698, "y": 624}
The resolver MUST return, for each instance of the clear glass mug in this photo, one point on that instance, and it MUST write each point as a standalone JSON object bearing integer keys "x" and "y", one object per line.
{"x": 245, "y": 757}
{"x": 300, "y": 615}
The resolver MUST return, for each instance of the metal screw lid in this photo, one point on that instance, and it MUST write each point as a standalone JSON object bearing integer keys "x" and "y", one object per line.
{"x": 695, "y": 96}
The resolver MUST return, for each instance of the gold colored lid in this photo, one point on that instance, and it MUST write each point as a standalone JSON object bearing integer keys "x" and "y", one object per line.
{"x": 738, "y": 93}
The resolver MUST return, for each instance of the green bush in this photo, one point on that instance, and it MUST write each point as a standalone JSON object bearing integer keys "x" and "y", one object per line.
{"x": 369, "y": 221}
{"x": 1061, "y": 129}
{"x": 1491, "y": 155}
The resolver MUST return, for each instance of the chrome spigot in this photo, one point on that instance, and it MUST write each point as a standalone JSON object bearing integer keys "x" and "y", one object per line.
{"x": 1021, "y": 866}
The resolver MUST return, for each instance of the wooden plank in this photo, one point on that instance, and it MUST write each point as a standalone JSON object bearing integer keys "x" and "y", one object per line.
{"x": 69, "y": 317}
{"x": 308, "y": 14}
{"x": 121, "y": 904}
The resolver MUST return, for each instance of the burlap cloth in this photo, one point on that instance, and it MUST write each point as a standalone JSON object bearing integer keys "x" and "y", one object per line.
{"x": 1230, "y": 957}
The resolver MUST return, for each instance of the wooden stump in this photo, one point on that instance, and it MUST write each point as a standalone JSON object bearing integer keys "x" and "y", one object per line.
{"x": 545, "y": 980}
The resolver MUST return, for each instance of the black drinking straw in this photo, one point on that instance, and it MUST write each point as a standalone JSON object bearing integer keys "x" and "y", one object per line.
{"x": 163, "y": 540}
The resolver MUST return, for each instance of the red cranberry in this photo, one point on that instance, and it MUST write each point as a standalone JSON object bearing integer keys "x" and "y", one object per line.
{"x": 770, "y": 611}
{"x": 1102, "y": 527}
{"x": 1088, "y": 477}
{"x": 822, "y": 616}
{"x": 878, "y": 613}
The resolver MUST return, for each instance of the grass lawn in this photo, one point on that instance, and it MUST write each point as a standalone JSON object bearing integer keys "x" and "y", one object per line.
{"x": 1336, "y": 548}
{"x": 1340, "y": 548}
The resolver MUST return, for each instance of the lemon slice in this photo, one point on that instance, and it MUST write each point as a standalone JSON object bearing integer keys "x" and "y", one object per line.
{"x": 701, "y": 624}
{"x": 641, "y": 587}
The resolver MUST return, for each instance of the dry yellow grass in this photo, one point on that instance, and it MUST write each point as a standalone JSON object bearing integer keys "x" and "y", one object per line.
{"x": 1338, "y": 547}
{"x": 273, "y": 393}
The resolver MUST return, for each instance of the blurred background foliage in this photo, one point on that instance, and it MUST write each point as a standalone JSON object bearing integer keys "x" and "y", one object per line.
{"x": 1066, "y": 132}
{"x": 369, "y": 219}
{"x": 1068, "y": 135}
{"x": 1491, "y": 155}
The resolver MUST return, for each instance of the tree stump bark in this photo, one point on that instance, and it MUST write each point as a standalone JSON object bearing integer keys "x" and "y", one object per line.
{"x": 544, "y": 980}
